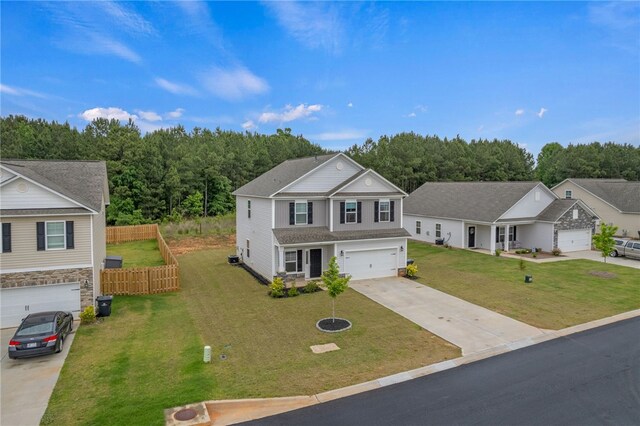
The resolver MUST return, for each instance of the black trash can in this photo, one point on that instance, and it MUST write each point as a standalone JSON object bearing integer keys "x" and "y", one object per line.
{"x": 439, "y": 241}
{"x": 104, "y": 305}
{"x": 233, "y": 259}
{"x": 410, "y": 262}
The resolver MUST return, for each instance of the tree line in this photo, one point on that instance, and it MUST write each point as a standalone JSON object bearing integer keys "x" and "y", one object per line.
{"x": 173, "y": 173}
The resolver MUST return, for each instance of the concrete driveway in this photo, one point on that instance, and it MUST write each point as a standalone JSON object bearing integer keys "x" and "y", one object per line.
{"x": 27, "y": 384}
{"x": 595, "y": 255}
{"x": 468, "y": 326}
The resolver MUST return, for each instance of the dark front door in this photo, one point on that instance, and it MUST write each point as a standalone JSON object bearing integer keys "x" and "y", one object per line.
{"x": 472, "y": 236}
{"x": 315, "y": 263}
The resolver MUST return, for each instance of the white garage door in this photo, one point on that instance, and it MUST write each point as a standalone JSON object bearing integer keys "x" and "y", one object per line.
{"x": 371, "y": 263}
{"x": 574, "y": 240}
{"x": 17, "y": 303}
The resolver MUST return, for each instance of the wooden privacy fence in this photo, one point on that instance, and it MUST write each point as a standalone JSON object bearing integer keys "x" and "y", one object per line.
{"x": 147, "y": 280}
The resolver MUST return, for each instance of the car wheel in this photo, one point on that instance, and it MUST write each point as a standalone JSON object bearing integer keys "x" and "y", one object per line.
{"x": 614, "y": 253}
{"x": 60, "y": 345}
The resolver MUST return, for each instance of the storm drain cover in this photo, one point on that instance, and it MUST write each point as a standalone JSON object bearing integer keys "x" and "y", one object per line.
{"x": 186, "y": 414}
{"x": 223, "y": 357}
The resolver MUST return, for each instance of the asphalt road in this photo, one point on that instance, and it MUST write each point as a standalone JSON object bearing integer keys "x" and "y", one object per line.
{"x": 589, "y": 378}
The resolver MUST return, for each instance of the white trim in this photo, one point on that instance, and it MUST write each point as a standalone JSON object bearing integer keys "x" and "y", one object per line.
{"x": 306, "y": 212}
{"x": 92, "y": 256}
{"x": 401, "y": 213}
{"x": 11, "y": 179}
{"x": 380, "y": 201}
{"x": 50, "y": 214}
{"x": 273, "y": 213}
{"x": 46, "y": 235}
{"x": 335, "y": 243}
{"x": 330, "y": 214}
{"x": 478, "y": 222}
{"x": 46, "y": 268}
{"x": 49, "y": 189}
{"x": 345, "y": 184}
{"x": 345, "y": 211}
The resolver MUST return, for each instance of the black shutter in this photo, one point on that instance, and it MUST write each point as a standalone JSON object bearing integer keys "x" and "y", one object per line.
{"x": 6, "y": 238}
{"x": 69, "y": 228}
{"x": 497, "y": 234}
{"x": 392, "y": 212}
{"x": 376, "y": 209}
{"x": 299, "y": 260}
{"x": 40, "y": 235}
{"x": 292, "y": 213}
{"x": 359, "y": 212}
{"x": 342, "y": 212}
{"x": 514, "y": 233}
{"x": 310, "y": 213}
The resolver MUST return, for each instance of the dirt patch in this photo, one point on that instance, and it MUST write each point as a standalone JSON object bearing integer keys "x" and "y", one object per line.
{"x": 539, "y": 255}
{"x": 602, "y": 274}
{"x": 189, "y": 244}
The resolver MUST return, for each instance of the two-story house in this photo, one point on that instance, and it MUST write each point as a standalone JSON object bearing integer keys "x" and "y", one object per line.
{"x": 53, "y": 236}
{"x": 292, "y": 219}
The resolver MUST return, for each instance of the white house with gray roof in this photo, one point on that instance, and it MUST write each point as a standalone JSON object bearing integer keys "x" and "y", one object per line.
{"x": 616, "y": 201}
{"x": 504, "y": 215}
{"x": 53, "y": 235}
{"x": 292, "y": 219}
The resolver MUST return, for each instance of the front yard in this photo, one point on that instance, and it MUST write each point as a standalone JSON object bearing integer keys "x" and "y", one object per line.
{"x": 562, "y": 294}
{"x": 148, "y": 355}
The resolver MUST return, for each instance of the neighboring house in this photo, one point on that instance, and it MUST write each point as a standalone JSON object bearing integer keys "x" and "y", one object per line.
{"x": 504, "y": 215}
{"x": 295, "y": 217}
{"x": 53, "y": 235}
{"x": 615, "y": 201}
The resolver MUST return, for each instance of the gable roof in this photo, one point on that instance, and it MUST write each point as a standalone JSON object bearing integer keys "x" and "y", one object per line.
{"x": 84, "y": 182}
{"x": 479, "y": 201}
{"x": 556, "y": 209}
{"x": 619, "y": 193}
{"x": 339, "y": 189}
{"x": 282, "y": 175}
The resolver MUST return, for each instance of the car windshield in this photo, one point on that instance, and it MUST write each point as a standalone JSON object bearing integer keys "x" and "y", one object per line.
{"x": 29, "y": 329}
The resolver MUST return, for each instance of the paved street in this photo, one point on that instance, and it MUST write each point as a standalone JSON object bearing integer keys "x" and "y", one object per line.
{"x": 589, "y": 378}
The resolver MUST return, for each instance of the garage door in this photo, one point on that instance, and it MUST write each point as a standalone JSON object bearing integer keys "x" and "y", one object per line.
{"x": 574, "y": 240}
{"x": 371, "y": 263}
{"x": 17, "y": 303}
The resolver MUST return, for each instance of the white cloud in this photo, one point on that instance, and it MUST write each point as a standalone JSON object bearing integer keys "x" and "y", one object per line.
{"x": 411, "y": 115}
{"x": 481, "y": 128}
{"x": 233, "y": 84}
{"x": 108, "y": 113}
{"x": 421, "y": 108}
{"x": 615, "y": 15}
{"x": 519, "y": 111}
{"x": 175, "y": 88}
{"x": 127, "y": 19}
{"x": 542, "y": 112}
{"x": 289, "y": 113}
{"x": 339, "y": 136}
{"x": 149, "y": 115}
{"x": 17, "y": 91}
{"x": 177, "y": 113}
{"x": 350, "y": 104}
{"x": 249, "y": 125}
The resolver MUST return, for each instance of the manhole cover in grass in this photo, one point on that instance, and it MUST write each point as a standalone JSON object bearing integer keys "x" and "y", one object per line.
{"x": 333, "y": 325}
{"x": 186, "y": 414}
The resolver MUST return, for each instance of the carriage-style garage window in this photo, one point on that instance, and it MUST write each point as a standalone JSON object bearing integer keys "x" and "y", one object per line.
{"x": 291, "y": 261}
{"x": 385, "y": 210}
{"x": 55, "y": 235}
{"x": 351, "y": 211}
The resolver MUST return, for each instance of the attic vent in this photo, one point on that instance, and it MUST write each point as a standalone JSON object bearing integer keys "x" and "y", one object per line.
{"x": 22, "y": 187}
{"x": 367, "y": 181}
{"x": 339, "y": 165}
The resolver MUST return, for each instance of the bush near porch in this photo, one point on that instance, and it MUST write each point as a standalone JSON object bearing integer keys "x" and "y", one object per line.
{"x": 562, "y": 294}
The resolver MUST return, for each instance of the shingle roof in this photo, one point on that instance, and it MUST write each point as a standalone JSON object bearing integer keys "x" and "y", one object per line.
{"x": 555, "y": 210}
{"x": 83, "y": 181}
{"x": 281, "y": 175}
{"x": 623, "y": 195}
{"x": 318, "y": 234}
{"x": 480, "y": 201}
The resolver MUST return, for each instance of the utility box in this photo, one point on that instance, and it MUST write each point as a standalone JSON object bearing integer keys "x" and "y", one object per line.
{"x": 113, "y": 262}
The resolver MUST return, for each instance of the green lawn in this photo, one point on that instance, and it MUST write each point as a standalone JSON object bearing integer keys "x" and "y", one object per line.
{"x": 147, "y": 356}
{"x": 137, "y": 253}
{"x": 562, "y": 293}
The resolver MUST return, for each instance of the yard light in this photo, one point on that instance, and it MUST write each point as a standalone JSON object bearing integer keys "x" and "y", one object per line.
{"x": 401, "y": 248}
{"x": 341, "y": 253}
{"x": 207, "y": 354}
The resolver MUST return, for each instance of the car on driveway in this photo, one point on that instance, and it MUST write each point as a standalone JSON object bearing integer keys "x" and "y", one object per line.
{"x": 618, "y": 248}
{"x": 40, "y": 334}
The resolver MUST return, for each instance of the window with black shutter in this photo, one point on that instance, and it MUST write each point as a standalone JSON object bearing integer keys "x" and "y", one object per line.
{"x": 342, "y": 212}
{"x": 393, "y": 211}
{"x": 40, "y": 236}
{"x": 359, "y": 212}
{"x": 69, "y": 231}
{"x": 6, "y": 238}
{"x": 310, "y": 213}
{"x": 292, "y": 213}
{"x": 299, "y": 260}
{"x": 376, "y": 210}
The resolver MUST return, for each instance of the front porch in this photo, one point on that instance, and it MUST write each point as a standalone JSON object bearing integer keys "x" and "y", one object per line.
{"x": 302, "y": 262}
{"x": 507, "y": 236}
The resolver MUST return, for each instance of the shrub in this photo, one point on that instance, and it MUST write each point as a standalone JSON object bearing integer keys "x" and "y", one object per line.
{"x": 311, "y": 287}
{"x": 498, "y": 252}
{"x": 522, "y": 265}
{"x": 556, "y": 252}
{"x": 88, "y": 316}
{"x": 412, "y": 270}
{"x": 535, "y": 254}
{"x": 293, "y": 292}
{"x": 276, "y": 288}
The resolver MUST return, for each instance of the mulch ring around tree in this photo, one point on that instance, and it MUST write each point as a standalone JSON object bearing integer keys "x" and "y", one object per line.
{"x": 331, "y": 325}
{"x": 602, "y": 274}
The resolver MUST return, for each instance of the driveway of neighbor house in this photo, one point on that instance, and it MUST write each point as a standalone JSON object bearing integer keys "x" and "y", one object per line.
{"x": 595, "y": 255}
{"x": 27, "y": 384}
{"x": 468, "y": 326}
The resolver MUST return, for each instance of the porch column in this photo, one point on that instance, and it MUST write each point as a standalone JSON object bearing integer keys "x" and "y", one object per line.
{"x": 492, "y": 245}
{"x": 330, "y": 214}
{"x": 280, "y": 259}
{"x": 506, "y": 237}
{"x": 462, "y": 237}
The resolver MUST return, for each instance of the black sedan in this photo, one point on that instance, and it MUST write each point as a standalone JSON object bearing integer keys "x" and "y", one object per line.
{"x": 40, "y": 334}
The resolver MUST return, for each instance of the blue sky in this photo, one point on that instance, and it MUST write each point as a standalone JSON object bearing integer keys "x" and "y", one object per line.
{"x": 337, "y": 73}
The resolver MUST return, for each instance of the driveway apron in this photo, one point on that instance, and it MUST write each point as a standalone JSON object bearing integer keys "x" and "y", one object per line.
{"x": 470, "y": 327}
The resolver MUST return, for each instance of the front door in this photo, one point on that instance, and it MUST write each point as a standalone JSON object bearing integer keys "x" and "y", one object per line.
{"x": 315, "y": 263}
{"x": 472, "y": 236}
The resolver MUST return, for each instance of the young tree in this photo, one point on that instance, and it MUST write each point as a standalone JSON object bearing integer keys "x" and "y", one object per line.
{"x": 603, "y": 241}
{"x": 334, "y": 282}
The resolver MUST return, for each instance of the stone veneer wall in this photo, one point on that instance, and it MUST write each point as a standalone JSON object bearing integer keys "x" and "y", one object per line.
{"x": 567, "y": 222}
{"x": 84, "y": 276}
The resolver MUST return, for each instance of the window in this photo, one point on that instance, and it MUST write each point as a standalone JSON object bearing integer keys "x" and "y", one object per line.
{"x": 568, "y": 194}
{"x": 351, "y": 211}
{"x": 385, "y": 211}
{"x": 248, "y": 249}
{"x": 575, "y": 213}
{"x": 500, "y": 235}
{"x": 512, "y": 233}
{"x": 418, "y": 227}
{"x": 301, "y": 213}
{"x": 249, "y": 209}
{"x": 291, "y": 261}
{"x": 438, "y": 230}
{"x": 55, "y": 235}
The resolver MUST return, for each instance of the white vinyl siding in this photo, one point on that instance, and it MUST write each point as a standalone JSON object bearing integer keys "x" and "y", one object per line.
{"x": 22, "y": 194}
{"x": 368, "y": 183}
{"x": 327, "y": 177}
{"x": 531, "y": 205}
{"x": 258, "y": 231}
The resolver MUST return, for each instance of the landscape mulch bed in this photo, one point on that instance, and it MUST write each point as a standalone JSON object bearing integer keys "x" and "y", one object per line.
{"x": 329, "y": 324}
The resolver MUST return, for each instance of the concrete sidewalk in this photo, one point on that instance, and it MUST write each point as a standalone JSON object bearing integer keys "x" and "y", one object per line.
{"x": 468, "y": 326}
